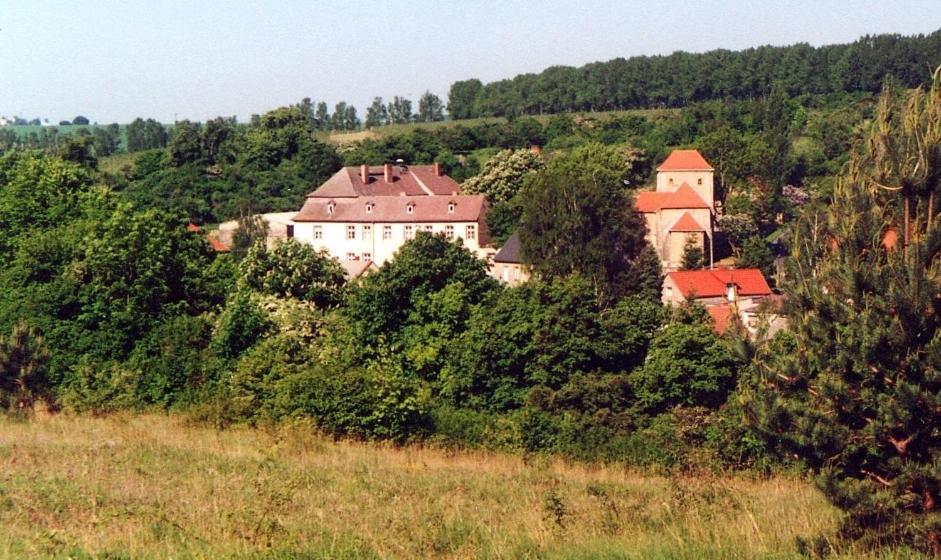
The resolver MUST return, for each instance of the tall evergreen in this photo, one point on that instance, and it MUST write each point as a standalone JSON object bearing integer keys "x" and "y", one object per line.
{"x": 857, "y": 392}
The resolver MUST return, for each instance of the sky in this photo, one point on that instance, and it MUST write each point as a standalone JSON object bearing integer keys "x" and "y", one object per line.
{"x": 113, "y": 61}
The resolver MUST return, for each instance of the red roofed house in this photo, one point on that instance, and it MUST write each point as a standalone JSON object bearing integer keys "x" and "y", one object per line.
{"x": 728, "y": 295}
{"x": 366, "y": 213}
{"x": 682, "y": 207}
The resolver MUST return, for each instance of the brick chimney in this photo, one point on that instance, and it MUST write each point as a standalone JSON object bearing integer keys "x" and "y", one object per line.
{"x": 364, "y": 174}
{"x": 387, "y": 169}
{"x": 437, "y": 169}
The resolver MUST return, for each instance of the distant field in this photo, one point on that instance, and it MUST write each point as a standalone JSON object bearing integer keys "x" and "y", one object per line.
{"x": 152, "y": 486}
{"x": 114, "y": 163}
{"x": 394, "y": 129}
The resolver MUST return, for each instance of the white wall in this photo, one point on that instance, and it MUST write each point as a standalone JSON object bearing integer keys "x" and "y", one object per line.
{"x": 372, "y": 245}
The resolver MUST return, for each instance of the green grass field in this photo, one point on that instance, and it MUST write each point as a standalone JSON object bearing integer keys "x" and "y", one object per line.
{"x": 151, "y": 486}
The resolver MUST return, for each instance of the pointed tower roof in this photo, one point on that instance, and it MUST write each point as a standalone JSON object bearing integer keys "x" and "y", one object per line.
{"x": 685, "y": 160}
{"x": 687, "y": 223}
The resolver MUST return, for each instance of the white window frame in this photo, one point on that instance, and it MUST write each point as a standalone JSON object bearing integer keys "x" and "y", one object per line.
{"x": 318, "y": 232}
{"x": 449, "y": 231}
{"x": 470, "y": 231}
{"x": 367, "y": 231}
{"x": 387, "y": 232}
{"x": 409, "y": 232}
{"x": 350, "y": 232}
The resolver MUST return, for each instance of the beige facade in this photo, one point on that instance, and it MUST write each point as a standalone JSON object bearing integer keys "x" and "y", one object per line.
{"x": 681, "y": 208}
{"x": 511, "y": 274}
{"x": 701, "y": 181}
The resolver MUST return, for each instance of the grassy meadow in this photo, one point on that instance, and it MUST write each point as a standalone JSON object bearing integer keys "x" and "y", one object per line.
{"x": 152, "y": 486}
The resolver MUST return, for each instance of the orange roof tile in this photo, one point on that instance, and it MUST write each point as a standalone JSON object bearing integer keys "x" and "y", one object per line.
{"x": 721, "y": 317}
{"x": 687, "y": 223}
{"x": 404, "y": 209}
{"x": 683, "y": 197}
{"x": 712, "y": 283}
{"x": 412, "y": 180}
{"x": 685, "y": 160}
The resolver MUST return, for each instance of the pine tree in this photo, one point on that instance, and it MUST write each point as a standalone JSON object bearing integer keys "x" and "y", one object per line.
{"x": 856, "y": 389}
{"x": 693, "y": 257}
{"x": 23, "y": 373}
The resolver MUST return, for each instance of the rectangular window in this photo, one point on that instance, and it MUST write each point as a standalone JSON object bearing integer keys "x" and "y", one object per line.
{"x": 351, "y": 232}
{"x": 471, "y": 233}
{"x": 387, "y": 232}
{"x": 408, "y": 232}
{"x": 428, "y": 228}
{"x": 449, "y": 232}
{"x": 367, "y": 256}
{"x": 367, "y": 232}
{"x": 318, "y": 232}
{"x": 290, "y": 231}
{"x": 351, "y": 257}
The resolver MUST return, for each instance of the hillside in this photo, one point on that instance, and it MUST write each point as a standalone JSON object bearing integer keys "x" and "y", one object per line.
{"x": 153, "y": 486}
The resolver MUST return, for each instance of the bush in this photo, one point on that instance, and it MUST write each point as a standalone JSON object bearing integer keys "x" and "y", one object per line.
{"x": 173, "y": 359}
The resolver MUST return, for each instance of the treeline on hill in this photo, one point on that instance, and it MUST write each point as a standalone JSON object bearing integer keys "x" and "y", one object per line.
{"x": 217, "y": 170}
{"x": 682, "y": 78}
{"x": 107, "y": 303}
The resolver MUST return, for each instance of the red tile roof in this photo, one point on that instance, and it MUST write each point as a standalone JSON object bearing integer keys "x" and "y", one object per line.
{"x": 683, "y": 197}
{"x": 721, "y": 317}
{"x": 392, "y": 209}
{"x": 685, "y": 160}
{"x": 687, "y": 223}
{"x": 712, "y": 283}
{"x": 412, "y": 180}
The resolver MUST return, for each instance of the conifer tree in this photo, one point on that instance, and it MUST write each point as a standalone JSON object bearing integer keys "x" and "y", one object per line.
{"x": 856, "y": 393}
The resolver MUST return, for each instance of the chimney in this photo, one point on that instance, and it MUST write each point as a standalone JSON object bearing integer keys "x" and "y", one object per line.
{"x": 364, "y": 174}
{"x": 731, "y": 292}
{"x": 437, "y": 169}
{"x": 387, "y": 168}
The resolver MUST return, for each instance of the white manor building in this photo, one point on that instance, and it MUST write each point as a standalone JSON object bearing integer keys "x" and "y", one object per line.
{"x": 366, "y": 213}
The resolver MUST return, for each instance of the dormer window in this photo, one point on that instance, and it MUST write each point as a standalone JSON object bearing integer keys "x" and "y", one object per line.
{"x": 331, "y": 206}
{"x": 698, "y": 181}
{"x": 369, "y": 206}
{"x": 410, "y": 208}
{"x": 451, "y": 206}
{"x": 671, "y": 180}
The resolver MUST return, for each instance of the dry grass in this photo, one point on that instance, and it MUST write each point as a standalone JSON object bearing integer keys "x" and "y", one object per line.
{"x": 152, "y": 486}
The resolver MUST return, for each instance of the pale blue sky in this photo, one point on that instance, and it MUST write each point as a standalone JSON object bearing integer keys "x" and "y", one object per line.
{"x": 116, "y": 60}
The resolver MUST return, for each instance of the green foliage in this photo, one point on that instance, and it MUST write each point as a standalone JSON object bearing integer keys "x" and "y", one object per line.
{"x": 693, "y": 257}
{"x": 242, "y": 323}
{"x": 737, "y": 228}
{"x": 541, "y": 334}
{"x": 683, "y": 78}
{"x": 757, "y": 254}
{"x": 23, "y": 375}
{"x": 99, "y": 387}
{"x": 173, "y": 360}
{"x": 686, "y": 365}
{"x": 577, "y": 217}
{"x": 503, "y": 175}
{"x": 294, "y": 269}
{"x": 381, "y": 305}
{"x": 854, "y": 392}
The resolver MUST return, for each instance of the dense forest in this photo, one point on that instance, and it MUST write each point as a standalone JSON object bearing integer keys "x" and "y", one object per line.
{"x": 682, "y": 78}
